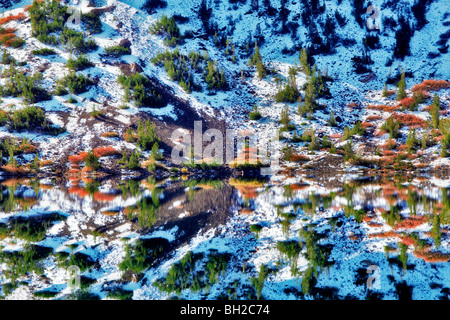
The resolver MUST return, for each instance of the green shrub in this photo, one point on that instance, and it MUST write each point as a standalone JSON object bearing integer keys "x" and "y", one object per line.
{"x": 120, "y": 294}
{"x": 180, "y": 67}
{"x": 45, "y": 294}
{"x": 79, "y": 63}
{"x": 357, "y": 129}
{"x": 44, "y": 52}
{"x": 143, "y": 92}
{"x": 76, "y": 83}
{"x": 255, "y": 114}
{"x": 17, "y": 42}
{"x": 258, "y": 282}
{"x": 117, "y": 51}
{"x": 168, "y": 28}
{"x": 92, "y": 22}
{"x": 214, "y": 77}
{"x": 25, "y": 86}
{"x": 256, "y": 228}
{"x": 92, "y": 160}
{"x": 28, "y": 117}
{"x": 392, "y": 126}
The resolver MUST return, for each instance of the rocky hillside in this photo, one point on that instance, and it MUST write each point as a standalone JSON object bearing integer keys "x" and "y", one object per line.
{"x": 100, "y": 86}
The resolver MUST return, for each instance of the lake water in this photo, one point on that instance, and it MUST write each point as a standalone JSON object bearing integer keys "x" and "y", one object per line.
{"x": 363, "y": 238}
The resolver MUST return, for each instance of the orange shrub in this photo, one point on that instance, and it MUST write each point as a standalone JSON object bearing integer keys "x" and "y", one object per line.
{"x": 105, "y": 151}
{"x": 373, "y": 118}
{"x": 298, "y": 186}
{"x": 17, "y": 17}
{"x": 387, "y": 234}
{"x": 387, "y": 153}
{"x": 14, "y": 170}
{"x": 104, "y": 197}
{"x": 299, "y": 158}
{"x": 246, "y": 211}
{"x": 411, "y": 222}
{"x": 390, "y": 144}
{"x": 45, "y": 163}
{"x": 335, "y": 136}
{"x": 352, "y": 105}
{"x": 428, "y": 85}
{"x": 432, "y": 256}
{"x": 406, "y": 102}
{"x": 110, "y": 134}
{"x": 379, "y": 133}
{"x": 77, "y": 159}
{"x": 7, "y": 31}
{"x": 78, "y": 191}
{"x": 384, "y": 108}
{"x": 410, "y": 120}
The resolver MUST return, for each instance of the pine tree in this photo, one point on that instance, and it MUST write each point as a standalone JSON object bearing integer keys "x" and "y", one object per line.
{"x": 155, "y": 154}
{"x": 401, "y": 94}
{"x": 435, "y": 112}
{"x": 411, "y": 140}
{"x": 36, "y": 162}
{"x": 304, "y": 62}
{"x": 133, "y": 163}
{"x": 124, "y": 159}
{"x": 385, "y": 92}
{"x": 348, "y": 150}
{"x": 92, "y": 161}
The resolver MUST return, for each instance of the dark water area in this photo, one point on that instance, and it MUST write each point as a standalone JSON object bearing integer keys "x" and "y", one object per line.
{"x": 362, "y": 238}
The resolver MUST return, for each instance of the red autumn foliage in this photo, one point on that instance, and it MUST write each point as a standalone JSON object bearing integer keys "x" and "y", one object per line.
{"x": 335, "y": 136}
{"x": 77, "y": 159}
{"x": 384, "y": 108}
{"x": 411, "y": 222}
{"x": 352, "y": 105}
{"x": 387, "y": 153}
{"x": 433, "y": 85}
{"x": 387, "y": 234}
{"x": 105, "y": 151}
{"x": 104, "y": 197}
{"x": 410, "y": 120}
{"x": 406, "y": 102}
{"x": 246, "y": 211}
{"x": 432, "y": 256}
{"x": 299, "y": 158}
{"x": 17, "y": 17}
{"x": 81, "y": 192}
{"x": 379, "y": 133}
{"x": 373, "y": 118}
{"x": 298, "y": 186}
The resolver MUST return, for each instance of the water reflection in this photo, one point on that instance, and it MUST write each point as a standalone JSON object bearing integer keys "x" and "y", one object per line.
{"x": 234, "y": 235}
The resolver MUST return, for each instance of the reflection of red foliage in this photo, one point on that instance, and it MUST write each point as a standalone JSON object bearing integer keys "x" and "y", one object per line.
{"x": 432, "y": 256}
{"x": 387, "y": 234}
{"x": 104, "y": 197}
{"x": 298, "y": 186}
{"x": 246, "y": 211}
{"x": 78, "y": 191}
